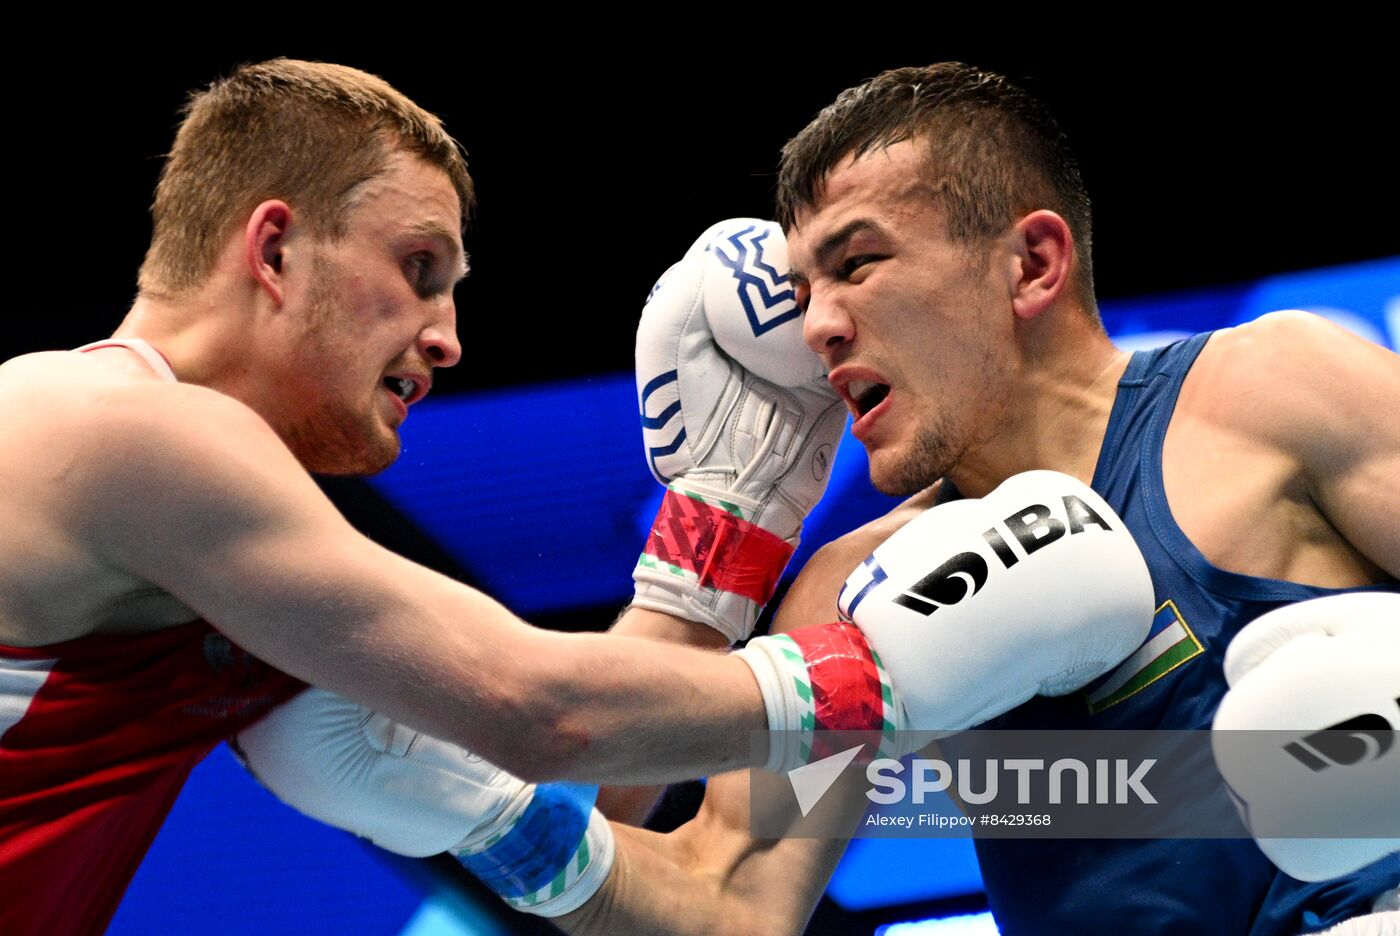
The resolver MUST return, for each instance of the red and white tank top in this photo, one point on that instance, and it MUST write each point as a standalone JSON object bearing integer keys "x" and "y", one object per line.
{"x": 97, "y": 736}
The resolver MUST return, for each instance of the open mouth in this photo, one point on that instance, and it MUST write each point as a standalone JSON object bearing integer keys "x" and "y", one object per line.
{"x": 867, "y": 394}
{"x": 405, "y": 388}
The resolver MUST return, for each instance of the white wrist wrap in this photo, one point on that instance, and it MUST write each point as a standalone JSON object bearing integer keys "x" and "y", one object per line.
{"x": 544, "y": 849}
{"x": 781, "y": 703}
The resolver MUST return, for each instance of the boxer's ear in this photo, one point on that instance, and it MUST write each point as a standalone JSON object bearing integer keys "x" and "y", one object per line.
{"x": 264, "y": 244}
{"x": 1045, "y": 248}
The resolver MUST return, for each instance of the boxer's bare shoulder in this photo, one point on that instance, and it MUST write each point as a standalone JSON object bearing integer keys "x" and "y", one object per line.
{"x": 97, "y": 454}
{"x": 1295, "y": 414}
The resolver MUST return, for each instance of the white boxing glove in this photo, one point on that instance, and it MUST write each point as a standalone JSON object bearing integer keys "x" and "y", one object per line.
{"x": 542, "y": 848}
{"x": 1317, "y": 684}
{"x": 738, "y": 421}
{"x": 970, "y": 609}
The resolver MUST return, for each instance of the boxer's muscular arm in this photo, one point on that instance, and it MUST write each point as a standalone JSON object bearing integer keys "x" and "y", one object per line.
{"x": 192, "y": 492}
{"x": 1352, "y": 447}
{"x": 1331, "y": 403}
{"x": 709, "y": 876}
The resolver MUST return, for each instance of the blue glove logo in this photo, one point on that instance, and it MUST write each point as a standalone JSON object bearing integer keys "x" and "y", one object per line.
{"x": 760, "y": 284}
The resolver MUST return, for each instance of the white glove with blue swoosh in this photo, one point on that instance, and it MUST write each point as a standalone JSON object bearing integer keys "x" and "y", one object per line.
{"x": 738, "y": 421}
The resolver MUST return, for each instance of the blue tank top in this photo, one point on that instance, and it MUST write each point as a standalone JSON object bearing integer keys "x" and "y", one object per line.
{"x": 1175, "y": 681}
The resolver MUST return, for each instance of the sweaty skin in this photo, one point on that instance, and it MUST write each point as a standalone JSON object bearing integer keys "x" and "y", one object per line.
{"x": 1278, "y": 451}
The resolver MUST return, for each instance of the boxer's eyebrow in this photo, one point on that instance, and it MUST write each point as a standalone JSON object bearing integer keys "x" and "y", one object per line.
{"x": 833, "y": 242}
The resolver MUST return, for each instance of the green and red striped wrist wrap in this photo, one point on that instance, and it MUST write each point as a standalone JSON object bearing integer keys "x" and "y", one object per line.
{"x": 828, "y": 679}
{"x": 845, "y": 679}
{"x": 711, "y": 540}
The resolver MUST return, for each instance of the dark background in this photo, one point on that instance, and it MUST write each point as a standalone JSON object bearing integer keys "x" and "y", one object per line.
{"x": 597, "y": 161}
{"x": 1211, "y": 160}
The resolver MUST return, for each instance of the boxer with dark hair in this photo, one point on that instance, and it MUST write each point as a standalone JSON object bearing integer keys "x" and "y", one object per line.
{"x": 939, "y": 245}
{"x": 938, "y": 235}
{"x": 1102, "y": 420}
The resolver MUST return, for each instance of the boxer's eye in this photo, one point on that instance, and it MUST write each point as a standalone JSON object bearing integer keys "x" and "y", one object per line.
{"x": 420, "y": 273}
{"x": 802, "y": 295}
{"x": 853, "y": 264}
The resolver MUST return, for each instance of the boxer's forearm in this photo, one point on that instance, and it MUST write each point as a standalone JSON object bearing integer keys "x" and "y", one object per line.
{"x": 657, "y": 889}
{"x": 543, "y": 705}
{"x": 457, "y": 665}
{"x": 615, "y": 709}
{"x": 546, "y": 705}
{"x": 633, "y": 804}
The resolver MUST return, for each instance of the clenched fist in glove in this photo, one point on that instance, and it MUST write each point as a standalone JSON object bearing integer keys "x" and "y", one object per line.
{"x": 1317, "y": 684}
{"x": 970, "y": 609}
{"x": 739, "y": 423}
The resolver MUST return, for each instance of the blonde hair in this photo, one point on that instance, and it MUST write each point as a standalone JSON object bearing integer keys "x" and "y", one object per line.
{"x": 309, "y": 133}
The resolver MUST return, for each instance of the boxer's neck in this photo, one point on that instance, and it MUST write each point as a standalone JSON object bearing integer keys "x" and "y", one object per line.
{"x": 201, "y": 344}
{"x": 1057, "y": 403}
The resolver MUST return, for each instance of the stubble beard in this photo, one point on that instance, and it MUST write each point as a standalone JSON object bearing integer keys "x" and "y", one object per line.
{"x": 336, "y": 438}
{"x": 931, "y": 456}
{"x": 336, "y": 444}
{"x": 939, "y": 445}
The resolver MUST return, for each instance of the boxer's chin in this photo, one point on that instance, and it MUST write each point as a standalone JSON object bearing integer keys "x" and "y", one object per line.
{"x": 360, "y": 464}
{"x": 905, "y": 469}
{"x": 331, "y": 448}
